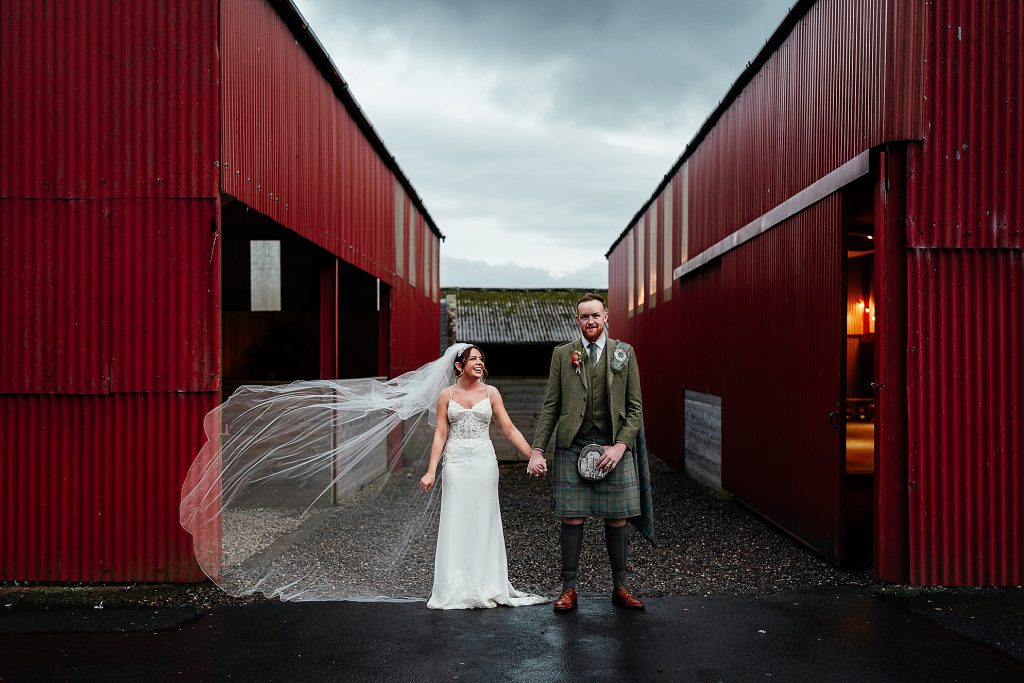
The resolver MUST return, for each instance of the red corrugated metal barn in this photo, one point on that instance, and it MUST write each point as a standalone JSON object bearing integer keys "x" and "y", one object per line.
{"x": 190, "y": 199}
{"x": 830, "y": 282}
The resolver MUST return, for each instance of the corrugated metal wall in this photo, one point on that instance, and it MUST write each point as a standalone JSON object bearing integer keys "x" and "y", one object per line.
{"x": 758, "y": 154}
{"x": 91, "y": 485}
{"x": 755, "y": 334}
{"x": 778, "y": 372}
{"x": 108, "y": 99}
{"x": 951, "y": 75}
{"x": 108, "y": 294}
{"x": 93, "y": 302}
{"x": 291, "y": 150}
{"x": 965, "y": 390}
{"x": 966, "y": 302}
{"x": 965, "y": 189}
{"x": 828, "y": 77}
{"x": 110, "y": 174}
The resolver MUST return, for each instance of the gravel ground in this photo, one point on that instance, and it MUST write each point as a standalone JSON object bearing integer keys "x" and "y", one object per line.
{"x": 707, "y": 544}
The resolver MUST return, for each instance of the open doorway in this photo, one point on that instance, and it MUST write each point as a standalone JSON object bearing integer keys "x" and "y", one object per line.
{"x": 858, "y": 396}
{"x": 363, "y": 323}
{"x": 271, "y": 294}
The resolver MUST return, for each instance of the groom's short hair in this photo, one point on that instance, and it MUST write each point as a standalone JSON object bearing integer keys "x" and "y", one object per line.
{"x": 590, "y": 296}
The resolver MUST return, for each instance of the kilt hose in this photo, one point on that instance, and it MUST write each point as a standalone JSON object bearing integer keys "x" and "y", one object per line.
{"x": 617, "y": 496}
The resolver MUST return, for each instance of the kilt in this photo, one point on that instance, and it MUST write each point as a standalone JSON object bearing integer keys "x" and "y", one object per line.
{"x": 617, "y": 496}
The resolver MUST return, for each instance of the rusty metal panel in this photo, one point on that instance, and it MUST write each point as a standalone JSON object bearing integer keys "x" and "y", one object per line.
{"x": 965, "y": 393}
{"x": 109, "y": 295}
{"x": 108, "y": 99}
{"x": 295, "y": 145}
{"x": 969, "y": 170}
{"x": 98, "y": 499}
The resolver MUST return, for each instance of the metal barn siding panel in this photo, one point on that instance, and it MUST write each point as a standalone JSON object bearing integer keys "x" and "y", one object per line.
{"x": 965, "y": 391}
{"x": 769, "y": 318}
{"x": 414, "y": 334}
{"x": 294, "y": 149}
{"x": 165, "y": 296}
{"x": 53, "y": 308}
{"x": 784, "y": 336}
{"x": 835, "y": 79}
{"x": 108, "y": 296}
{"x": 807, "y": 111}
{"x": 289, "y": 149}
{"x": 891, "y": 527}
{"x": 108, "y": 99}
{"x": 970, "y": 168}
{"x": 98, "y": 499}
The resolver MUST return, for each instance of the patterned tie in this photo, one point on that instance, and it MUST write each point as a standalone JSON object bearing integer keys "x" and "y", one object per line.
{"x": 593, "y": 353}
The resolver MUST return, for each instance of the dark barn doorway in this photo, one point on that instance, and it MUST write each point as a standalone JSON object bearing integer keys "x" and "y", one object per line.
{"x": 858, "y": 416}
{"x": 363, "y": 324}
{"x": 271, "y": 301}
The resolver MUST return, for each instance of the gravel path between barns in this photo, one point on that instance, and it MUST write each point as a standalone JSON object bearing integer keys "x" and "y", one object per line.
{"x": 707, "y": 544}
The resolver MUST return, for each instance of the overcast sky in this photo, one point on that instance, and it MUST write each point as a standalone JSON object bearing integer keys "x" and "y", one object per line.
{"x": 534, "y": 129}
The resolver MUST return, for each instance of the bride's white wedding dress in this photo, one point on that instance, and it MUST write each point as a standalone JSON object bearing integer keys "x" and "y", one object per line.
{"x": 470, "y": 564}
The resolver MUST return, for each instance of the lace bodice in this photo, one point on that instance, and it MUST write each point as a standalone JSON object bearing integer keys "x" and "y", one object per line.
{"x": 469, "y": 423}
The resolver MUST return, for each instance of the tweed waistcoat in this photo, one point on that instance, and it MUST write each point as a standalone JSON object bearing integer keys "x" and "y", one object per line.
{"x": 596, "y": 415}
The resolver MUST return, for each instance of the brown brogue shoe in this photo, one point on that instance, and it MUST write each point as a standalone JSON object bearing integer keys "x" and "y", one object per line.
{"x": 566, "y": 601}
{"x": 623, "y": 597}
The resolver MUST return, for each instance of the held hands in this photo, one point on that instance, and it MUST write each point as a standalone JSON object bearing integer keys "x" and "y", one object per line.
{"x": 537, "y": 465}
{"x": 427, "y": 482}
{"x": 612, "y": 456}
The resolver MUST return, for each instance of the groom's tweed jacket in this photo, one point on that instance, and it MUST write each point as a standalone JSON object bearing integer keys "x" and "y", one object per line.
{"x": 565, "y": 407}
{"x": 565, "y": 402}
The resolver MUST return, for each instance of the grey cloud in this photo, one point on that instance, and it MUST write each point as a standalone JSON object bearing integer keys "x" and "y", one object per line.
{"x": 456, "y": 272}
{"x": 622, "y": 60}
{"x": 583, "y": 76}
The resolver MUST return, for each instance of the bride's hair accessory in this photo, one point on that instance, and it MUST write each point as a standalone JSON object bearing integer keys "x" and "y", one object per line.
{"x": 464, "y": 356}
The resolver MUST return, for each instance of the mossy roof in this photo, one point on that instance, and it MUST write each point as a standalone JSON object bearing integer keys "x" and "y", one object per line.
{"x": 515, "y": 316}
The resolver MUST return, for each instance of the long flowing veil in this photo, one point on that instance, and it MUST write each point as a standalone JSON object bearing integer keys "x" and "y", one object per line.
{"x": 310, "y": 490}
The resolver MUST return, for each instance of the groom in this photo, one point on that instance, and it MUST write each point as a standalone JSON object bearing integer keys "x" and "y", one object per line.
{"x": 593, "y": 396}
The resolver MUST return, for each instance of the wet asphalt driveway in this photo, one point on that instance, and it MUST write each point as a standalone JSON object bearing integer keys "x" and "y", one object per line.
{"x": 845, "y": 634}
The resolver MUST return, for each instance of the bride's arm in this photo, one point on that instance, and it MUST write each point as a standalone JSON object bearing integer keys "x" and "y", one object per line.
{"x": 509, "y": 429}
{"x": 437, "y": 447}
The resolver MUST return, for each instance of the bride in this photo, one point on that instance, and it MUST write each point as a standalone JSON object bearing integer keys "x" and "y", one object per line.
{"x": 470, "y": 564}
{"x": 305, "y": 491}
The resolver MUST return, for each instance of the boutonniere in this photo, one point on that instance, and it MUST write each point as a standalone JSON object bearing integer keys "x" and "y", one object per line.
{"x": 577, "y": 360}
{"x": 620, "y": 356}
